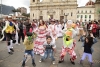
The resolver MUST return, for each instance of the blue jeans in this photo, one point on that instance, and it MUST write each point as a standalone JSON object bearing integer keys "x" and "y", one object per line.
{"x": 48, "y": 52}
{"x": 28, "y": 52}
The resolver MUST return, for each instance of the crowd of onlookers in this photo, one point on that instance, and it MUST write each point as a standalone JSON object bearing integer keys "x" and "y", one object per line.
{"x": 25, "y": 25}
{"x": 91, "y": 27}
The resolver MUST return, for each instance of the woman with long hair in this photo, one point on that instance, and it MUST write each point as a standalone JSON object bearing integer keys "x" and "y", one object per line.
{"x": 87, "y": 44}
{"x": 41, "y": 32}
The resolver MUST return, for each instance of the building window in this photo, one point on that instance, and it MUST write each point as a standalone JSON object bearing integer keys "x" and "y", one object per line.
{"x": 41, "y": 17}
{"x": 90, "y": 11}
{"x": 77, "y": 16}
{"x": 41, "y": 12}
{"x": 81, "y": 16}
{"x": 71, "y": 14}
{"x": 78, "y": 12}
{"x": 85, "y": 11}
{"x": 51, "y": 16}
{"x": 81, "y": 11}
{"x": 61, "y": 11}
{"x": 61, "y": 18}
{"x": 85, "y": 16}
{"x": 33, "y": 14}
{"x": 89, "y": 16}
{"x": 33, "y": 0}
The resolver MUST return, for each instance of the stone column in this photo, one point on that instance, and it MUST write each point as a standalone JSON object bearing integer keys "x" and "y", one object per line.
{"x": 97, "y": 7}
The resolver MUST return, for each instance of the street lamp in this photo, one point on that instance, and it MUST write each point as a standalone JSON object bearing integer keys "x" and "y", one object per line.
{"x": 66, "y": 14}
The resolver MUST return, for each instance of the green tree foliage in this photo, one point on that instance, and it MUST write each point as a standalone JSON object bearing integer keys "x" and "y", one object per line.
{"x": 26, "y": 15}
{"x": 16, "y": 10}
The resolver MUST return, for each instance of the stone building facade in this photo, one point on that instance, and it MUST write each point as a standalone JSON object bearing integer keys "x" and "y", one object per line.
{"x": 56, "y": 9}
{"x": 86, "y": 13}
{"x": 23, "y": 10}
{"x": 63, "y": 10}
{"x": 97, "y": 10}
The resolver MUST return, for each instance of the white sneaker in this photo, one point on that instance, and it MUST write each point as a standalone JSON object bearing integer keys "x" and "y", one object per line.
{"x": 40, "y": 60}
{"x": 54, "y": 62}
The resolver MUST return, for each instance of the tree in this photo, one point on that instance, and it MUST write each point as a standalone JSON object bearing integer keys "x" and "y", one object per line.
{"x": 16, "y": 10}
{"x": 26, "y": 15}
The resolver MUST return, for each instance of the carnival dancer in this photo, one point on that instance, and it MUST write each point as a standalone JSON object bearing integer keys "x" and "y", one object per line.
{"x": 87, "y": 44}
{"x": 41, "y": 32}
{"x": 68, "y": 43}
{"x": 34, "y": 25}
{"x": 28, "y": 43}
{"x": 49, "y": 48}
{"x": 53, "y": 30}
{"x": 59, "y": 26}
{"x": 17, "y": 30}
{"x": 9, "y": 31}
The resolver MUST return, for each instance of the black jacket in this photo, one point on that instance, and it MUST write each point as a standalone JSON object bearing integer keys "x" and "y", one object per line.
{"x": 21, "y": 27}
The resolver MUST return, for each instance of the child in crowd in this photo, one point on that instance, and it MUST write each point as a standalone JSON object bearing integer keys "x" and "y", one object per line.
{"x": 83, "y": 39}
{"x": 28, "y": 43}
{"x": 49, "y": 48}
{"x": 88, "y": 42}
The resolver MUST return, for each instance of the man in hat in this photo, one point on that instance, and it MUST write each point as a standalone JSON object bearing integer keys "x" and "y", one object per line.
{"x": 17, "y": 29}
{"x": 53, "y": 30}
{"x": 9, "y": 31}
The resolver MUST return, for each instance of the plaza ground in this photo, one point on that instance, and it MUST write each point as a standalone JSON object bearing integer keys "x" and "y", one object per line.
{"x": 15, "y": 60}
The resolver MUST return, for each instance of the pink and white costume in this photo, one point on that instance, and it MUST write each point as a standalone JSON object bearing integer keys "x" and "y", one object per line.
{"x": 41, "y": 38}
{"x": 53, "y": 31}
{"x": 68, "y": 45}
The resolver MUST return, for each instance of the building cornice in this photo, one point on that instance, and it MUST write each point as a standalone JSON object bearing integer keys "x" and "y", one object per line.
{"x": 87, "y": 7}
{"x": 85, "y": 13}
{"x": 52, "y": 7}
{"x": 52, "y": 4}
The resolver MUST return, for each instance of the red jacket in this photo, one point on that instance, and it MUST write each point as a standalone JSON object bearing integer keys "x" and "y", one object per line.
{"x": 94, "y": 28}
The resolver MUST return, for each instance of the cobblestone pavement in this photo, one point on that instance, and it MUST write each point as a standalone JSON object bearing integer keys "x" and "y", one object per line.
{"x": 15, "y": 60}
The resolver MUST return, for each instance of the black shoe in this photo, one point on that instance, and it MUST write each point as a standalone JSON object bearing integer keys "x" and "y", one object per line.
{"x": 10, "y": 53}
{"x": 91, "y": 65}
{"x": 72, "y": 62}
{"x": 79, "y": 40}
{"x": 61, "y": 61}
{"x": 33, "y": 64}
{"x": 80, "y": 62}
{"x": 12, "y": 50}
{"x": 23, "y": 66}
